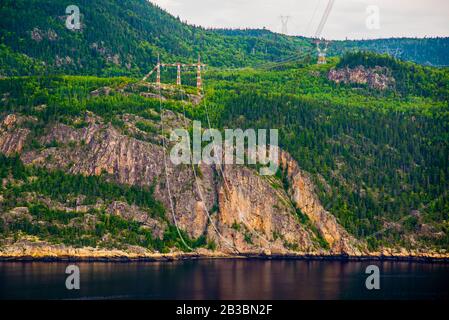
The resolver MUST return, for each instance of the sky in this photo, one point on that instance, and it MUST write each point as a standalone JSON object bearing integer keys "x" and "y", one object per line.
{"x": 349, "y": 19}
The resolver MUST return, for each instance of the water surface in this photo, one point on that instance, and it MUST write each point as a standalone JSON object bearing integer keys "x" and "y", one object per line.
{"x": 225, "y": 279}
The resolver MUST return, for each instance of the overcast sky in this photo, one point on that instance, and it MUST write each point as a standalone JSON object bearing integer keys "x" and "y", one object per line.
{"x": 348, "y": 19}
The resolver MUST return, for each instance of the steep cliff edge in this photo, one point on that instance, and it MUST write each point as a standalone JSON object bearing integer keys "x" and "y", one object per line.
{"x": 301, "y": 189}
{"x": 255, "y": 216}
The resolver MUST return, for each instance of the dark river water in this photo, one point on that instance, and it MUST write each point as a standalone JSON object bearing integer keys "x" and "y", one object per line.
{"x": 225, "y": 279}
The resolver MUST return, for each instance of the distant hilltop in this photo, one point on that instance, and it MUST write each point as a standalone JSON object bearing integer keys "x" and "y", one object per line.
{"x": 125, "y": 38}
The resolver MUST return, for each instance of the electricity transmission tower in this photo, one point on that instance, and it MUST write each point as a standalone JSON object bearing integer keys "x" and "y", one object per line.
{"x": 199, "y": 66}
{"x": 322, "y": 51}
{"x": 284, "y": 22}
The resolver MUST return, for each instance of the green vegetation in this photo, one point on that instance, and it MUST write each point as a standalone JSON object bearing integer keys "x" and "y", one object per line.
{"x": 70, "y": 228}
{"x": 125, "y": 37}
{"x": 427, "y": 51}
{"x": 375, "y": 156}
{"x": 61, "y": 98}
{"x": 410, "y": 78}
{"x": 15, "y": 64}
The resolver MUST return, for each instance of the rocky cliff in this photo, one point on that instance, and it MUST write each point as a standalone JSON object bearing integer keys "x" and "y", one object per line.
{"x": 232, "y": 206}
{"x": 301, "y": 190}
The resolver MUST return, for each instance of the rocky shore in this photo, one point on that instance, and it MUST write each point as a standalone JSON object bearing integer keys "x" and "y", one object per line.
{"x": 50, "y": 253}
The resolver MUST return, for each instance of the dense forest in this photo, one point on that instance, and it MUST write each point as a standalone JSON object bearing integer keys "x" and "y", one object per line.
{"x": 427, "y": 51}
{"x": 68, "y": 227}
{"x": 377, "y": 157}
{"x": 125, "y": 37}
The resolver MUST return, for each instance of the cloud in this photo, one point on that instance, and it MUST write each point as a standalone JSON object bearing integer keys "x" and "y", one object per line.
{"x": 347, "y": 20}
{"x": 166, "y": 4}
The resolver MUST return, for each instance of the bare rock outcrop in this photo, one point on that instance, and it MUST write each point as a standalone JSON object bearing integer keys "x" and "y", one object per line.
{"x": 253, "y": 216}
{"x": 378, "y": 78}
{"x": 101, "y": 149}
{"x": 134, "y": 213}
{"x": 38, "y": 35}
{"x": 303, "y": 194}
{"x": 12, "y": 137}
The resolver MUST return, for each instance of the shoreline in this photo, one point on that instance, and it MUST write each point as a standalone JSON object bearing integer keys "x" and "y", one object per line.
{"x": 195, "y": 256}
{"x": 44, "y": 252}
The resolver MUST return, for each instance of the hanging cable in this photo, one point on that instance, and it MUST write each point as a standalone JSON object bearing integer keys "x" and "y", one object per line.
{"x": 241, "y": 216}
{"x": 166, "y": 170}
{"x": 200, "y": 193}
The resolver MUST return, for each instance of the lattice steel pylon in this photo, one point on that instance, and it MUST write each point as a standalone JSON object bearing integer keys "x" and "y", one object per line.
{"x": 284, "y": 22}
{"x": 178, "y": 65}
{"x": 199, "y": 81}
{"x": 322, "y": 51}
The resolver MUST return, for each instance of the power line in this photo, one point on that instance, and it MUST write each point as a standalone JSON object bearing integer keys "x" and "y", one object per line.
{"x": 313, "y": 16}
{"x": 321, "y": 51}
{"x": 199, "y": 66}
{"x": 324, "y": 18}
{"x": 165, "y": 163}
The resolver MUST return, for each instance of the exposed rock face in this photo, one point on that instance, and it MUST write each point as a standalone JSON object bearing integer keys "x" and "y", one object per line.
{"x": 303, "y": 195}
{"x": 60, "y": 61}
{"x": 115, "y": 59}
{"x": 12, "y": 138}
{"x": 17, "y": 213}
{"x": 244, "y": 212}
{"x": 106, "y": 53}
{"x": 254, "y": 216}
{"x": 37, "y": 35}
{"x": 104, "y": 91}
{"x": 152, "y": 95}
{"x": 100, "y": 148}
{"x": 52, "y": 35}
{"x": 9, "y": 120}
{"x": 377, "y": 78}
{"x": 36, "y": 249}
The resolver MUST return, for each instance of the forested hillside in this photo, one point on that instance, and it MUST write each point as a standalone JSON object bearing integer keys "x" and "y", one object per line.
{"x": 125, "y": 37}
{"x": 370, "y": 132}
{"x": 427, "y": 51}
{"x": 377, "y": 157}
